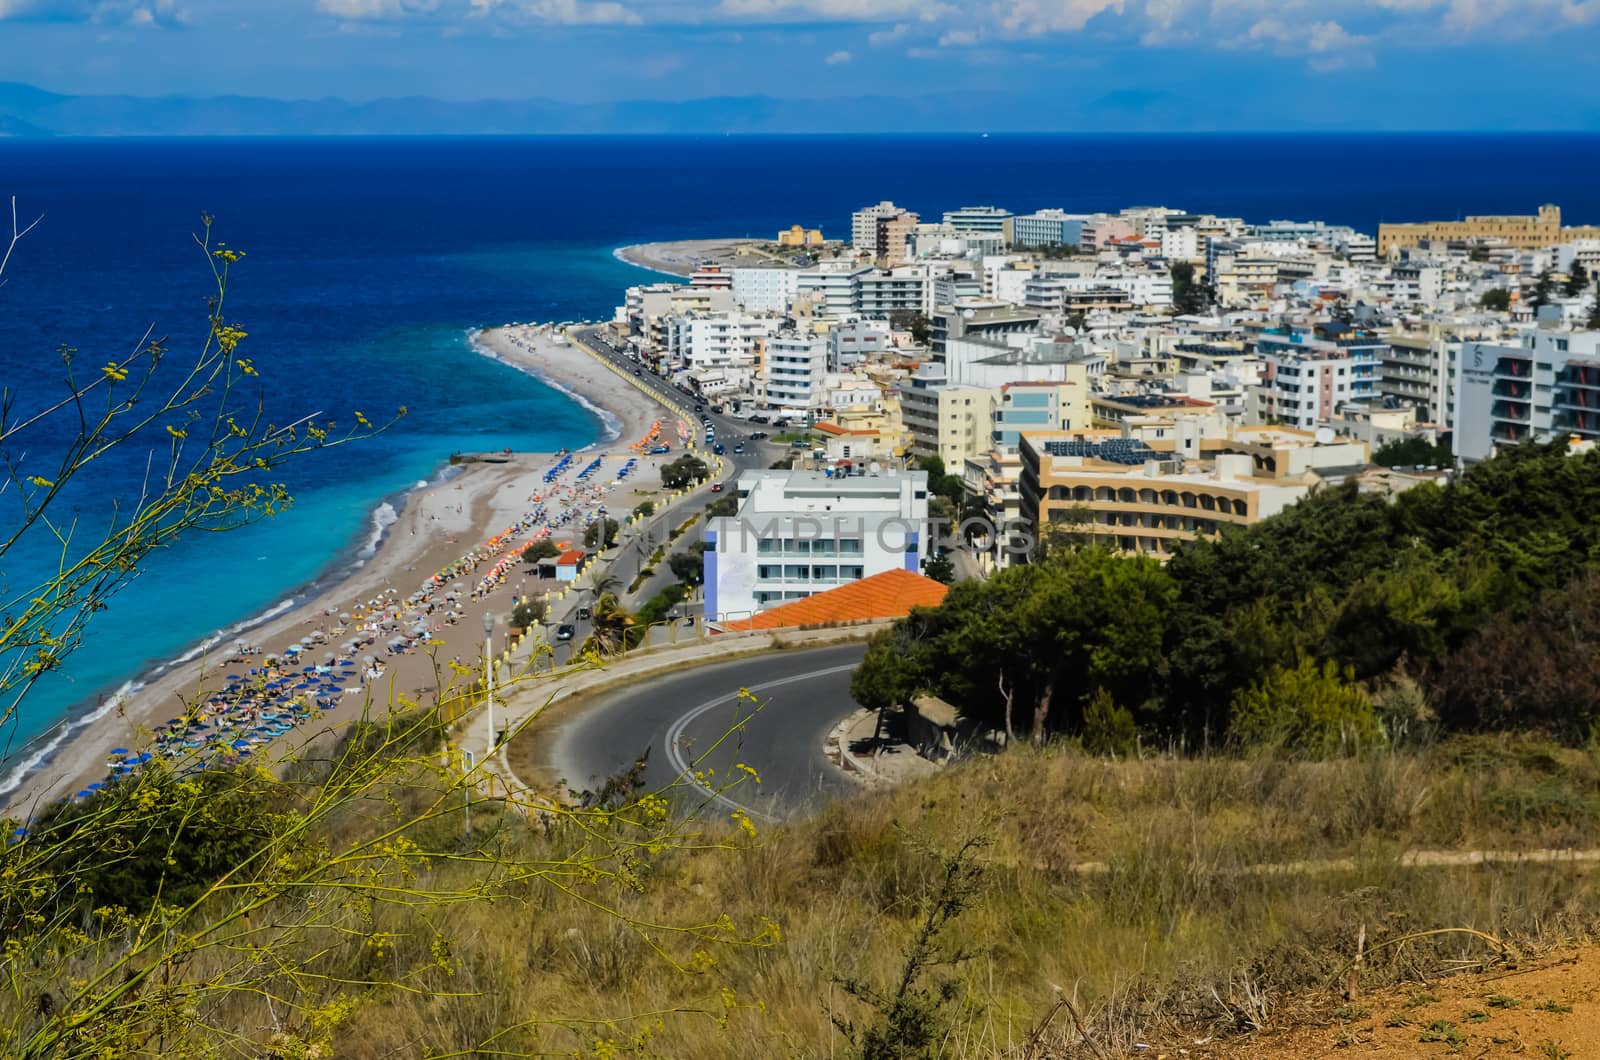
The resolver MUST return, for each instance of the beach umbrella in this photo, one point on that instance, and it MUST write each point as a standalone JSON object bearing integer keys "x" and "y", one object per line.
{"x": 96, "y": 787}
{"x": 84, "y": 794}
{"x": 240, "y": 745}
{"x": 118, "y": 751}
{"x": 344, "y": 616}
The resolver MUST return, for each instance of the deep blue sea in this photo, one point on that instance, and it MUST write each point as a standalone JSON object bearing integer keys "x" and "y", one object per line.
{"x": 368, "y": 261}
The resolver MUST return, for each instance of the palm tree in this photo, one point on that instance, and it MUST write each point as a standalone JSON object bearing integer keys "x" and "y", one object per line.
{"x": 611, "y": 623}
{"x": 602, "y": 584}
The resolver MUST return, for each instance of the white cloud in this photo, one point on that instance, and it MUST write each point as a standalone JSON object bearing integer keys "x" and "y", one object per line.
{"x": 1036, "y": 17}
{"x": 958, "y": 38}
{"x": 103, "y": 12}
{"x": 360, "y": 9}
{"x": 878, "y": 38}
{"x": 844, "y": 10}
{"x": 837, "y": 57}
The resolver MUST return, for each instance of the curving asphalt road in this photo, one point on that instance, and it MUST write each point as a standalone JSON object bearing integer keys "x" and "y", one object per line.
{"x": 801, "y": 695}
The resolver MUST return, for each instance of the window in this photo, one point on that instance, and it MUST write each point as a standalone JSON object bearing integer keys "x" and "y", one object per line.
{"x": 797, "y": 548}
{"x": 824, "y": 573}
{"x": 766, "y": 547}
{"x": 769, "y": 570}
{"x": 850, "y": 546}
{"x": 852, "y": 573}
{"x": 797, "y": 573}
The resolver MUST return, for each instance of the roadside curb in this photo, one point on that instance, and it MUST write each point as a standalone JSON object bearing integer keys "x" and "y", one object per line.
{"x": 836, "y": 746}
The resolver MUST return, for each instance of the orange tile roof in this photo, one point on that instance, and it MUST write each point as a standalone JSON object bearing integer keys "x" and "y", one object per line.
{"x": 891, "y": 594}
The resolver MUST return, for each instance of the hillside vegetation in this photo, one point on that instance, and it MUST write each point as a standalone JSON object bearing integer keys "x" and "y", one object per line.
{"x": 1346, "y": 620}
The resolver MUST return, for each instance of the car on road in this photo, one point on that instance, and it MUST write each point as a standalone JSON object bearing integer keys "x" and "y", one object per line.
{"x": 716, "y": 408}
{"x": 716, "y": 487}
{"x": 719, "y": 449}
{"x": 759, "y": 436}
{"x": 760, "y": 419}
{"x": 659, "y": 449}
{"x": 737, "y": 450}
{"x": 565, "y": 631}
{"x": 638, "y": 372}
{"x": 584, "y": 614}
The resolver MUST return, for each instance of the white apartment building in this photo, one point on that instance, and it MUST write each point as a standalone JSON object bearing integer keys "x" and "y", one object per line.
{"x": 905, "y": 288}
{"x": 853, "y": 341}
{"x": 1547, "y": 385}
{"x": 1309, "y": 373}
{"x": 831, "y": 288}
{"x": 804, "y": 532}
{"x": 794, "y": 368}
{"x": 1046, "y": 228}
{"x": 717, "y": 340}
{"x": 1052, "y": 292}
{"x": 763, "y": 290}
{"x": 1182, "y": 244}
{"x": 980, "y": 221}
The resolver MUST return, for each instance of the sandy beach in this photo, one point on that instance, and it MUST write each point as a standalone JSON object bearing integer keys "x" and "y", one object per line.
{"x": 470, "y": 525}
{"x": 684, "y": 256}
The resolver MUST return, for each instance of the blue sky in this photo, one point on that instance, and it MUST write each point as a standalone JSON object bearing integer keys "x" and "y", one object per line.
{"x": 1500, "y": 64}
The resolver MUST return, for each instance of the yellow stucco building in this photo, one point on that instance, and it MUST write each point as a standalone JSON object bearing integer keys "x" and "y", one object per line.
{"x": 1528, "y": 232}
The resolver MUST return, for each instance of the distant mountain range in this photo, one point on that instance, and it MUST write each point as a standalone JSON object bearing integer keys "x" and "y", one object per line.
{"x": 32, "y": 112}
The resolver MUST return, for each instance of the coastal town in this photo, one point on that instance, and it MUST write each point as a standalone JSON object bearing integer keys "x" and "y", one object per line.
{"x": 1143, "y": 377}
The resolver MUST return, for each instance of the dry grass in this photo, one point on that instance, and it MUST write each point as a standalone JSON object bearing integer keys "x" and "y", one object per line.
{"x": 1172, "y": 929}
{"x": 1118, "y": 897}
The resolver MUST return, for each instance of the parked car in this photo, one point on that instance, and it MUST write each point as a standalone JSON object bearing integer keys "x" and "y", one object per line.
{"x": 565, "y": 631}
{"x": 659, "y": 449}
{"x": 759, "y": 436}
{"x": 716, "y": 408}
{"x": 759, "y": 419}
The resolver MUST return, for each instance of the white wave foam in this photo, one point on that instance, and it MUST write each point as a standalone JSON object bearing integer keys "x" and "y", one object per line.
{"x": 383, "y": 517}
{"x": 63, "y": 733}
{"x": 611, "y": 422}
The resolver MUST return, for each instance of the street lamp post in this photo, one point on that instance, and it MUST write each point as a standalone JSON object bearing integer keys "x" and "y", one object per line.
{"x": 488, "y": 671}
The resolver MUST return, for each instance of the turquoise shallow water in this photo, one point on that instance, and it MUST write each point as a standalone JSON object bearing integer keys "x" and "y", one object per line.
{"x": 369, "y": 261}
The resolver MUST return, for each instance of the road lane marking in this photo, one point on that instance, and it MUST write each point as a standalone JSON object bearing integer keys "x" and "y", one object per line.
{"x": 675, "y": 734}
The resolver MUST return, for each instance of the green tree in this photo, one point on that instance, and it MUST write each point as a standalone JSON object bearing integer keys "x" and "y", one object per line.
{"x": 1543, "y": 290}
{"x": 942, "y": 484}
{"x": 1414, "y": 452}
{"x": 601, "y": 534}
{"x": 1497, "y": 299}
{"x": 940, "y": 568}
{"x": 544, "y": 548}
{"x": 644, "y": 509}
{"x": 683, "y": 472}
{"x": 527, "y": 614}
{"x": 1577, "y": 280}
{"x": 1108, "y": 729}
{"x": 1312, "y": 709}
{"x": 1190, "y": 296}
{"x": 689, "y": 567}
{"x": 611, "y": 623}
{"x": 918, "y": 324}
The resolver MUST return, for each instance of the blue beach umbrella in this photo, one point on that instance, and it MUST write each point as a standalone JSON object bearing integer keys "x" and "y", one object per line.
{"x": 118, "y": 751}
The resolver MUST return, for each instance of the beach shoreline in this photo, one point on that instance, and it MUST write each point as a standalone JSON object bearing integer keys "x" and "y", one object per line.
{"x": 434, "y": 524}
{"x": 682, "y": 257}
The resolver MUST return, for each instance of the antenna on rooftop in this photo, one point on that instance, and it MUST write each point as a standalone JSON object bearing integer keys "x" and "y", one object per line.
{"x": 1324, "y": 435}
